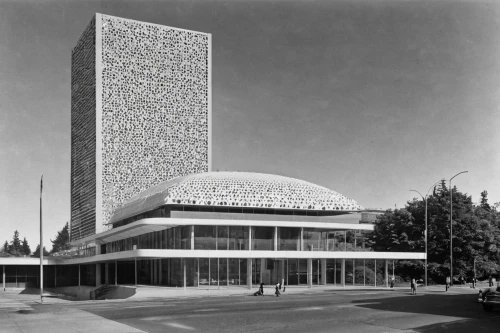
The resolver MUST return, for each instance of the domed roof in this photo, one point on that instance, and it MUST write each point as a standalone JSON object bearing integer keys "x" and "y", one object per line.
{"x": 238, "y": 189}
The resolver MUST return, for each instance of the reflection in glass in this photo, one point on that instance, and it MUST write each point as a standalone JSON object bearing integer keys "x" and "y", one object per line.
{"x": 288, "y": 239}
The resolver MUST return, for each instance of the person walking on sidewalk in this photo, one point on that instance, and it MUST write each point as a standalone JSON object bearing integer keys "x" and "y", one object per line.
{"x": 447, "y": 282}
{"x": 277, "y": 292}
{"x": 392, "y": 281}
{"x": 261, "y": 289}
{"x": 413, "y": 287}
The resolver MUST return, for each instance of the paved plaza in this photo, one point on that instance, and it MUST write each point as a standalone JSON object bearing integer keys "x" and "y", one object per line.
{"x": 320, "y": 309}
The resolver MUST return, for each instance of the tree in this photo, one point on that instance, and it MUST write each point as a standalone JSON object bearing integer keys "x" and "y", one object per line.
{"x": 484, "y": 201}
{"x": 25, "y": 248}
{"x": 396, "y": 231}
{"x": 6, "y": 247}
{"x": 15, "y": 245}
{"x": 37, "y": 252}
{"x": 476, "y": 235}
{"x": 62, "y": 240}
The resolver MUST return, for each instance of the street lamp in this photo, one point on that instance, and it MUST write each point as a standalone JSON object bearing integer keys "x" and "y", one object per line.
{"x": 451, "y": 228}
{"x": 425, "y": 199}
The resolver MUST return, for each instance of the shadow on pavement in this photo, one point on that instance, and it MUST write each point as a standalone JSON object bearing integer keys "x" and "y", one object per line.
{"x": 30, "y": 291}
{"x": 471, "y": 314}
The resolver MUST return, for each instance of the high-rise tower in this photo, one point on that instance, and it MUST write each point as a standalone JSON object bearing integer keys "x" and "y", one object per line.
{"x": 140, "y": 113}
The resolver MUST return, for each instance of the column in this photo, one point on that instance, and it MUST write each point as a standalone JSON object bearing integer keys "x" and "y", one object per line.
{"x": 282, "y": 263}
{"x": 184, "y": 272}
{"x": 250, "y": 240}
{"x": 151, "y": 272}
{"x": 323, "y": 272}
{"x": 342, "y": 273}
{"x": 97, "y": 275}
{"x": 135, "y": 271}
{"x": 79, "y": 275}
{"x": 301, "y": 239}
{"x": 116, "y": 272}
{"x": 364, "y": 272}
{"x": 262, "y": 268}
{"x": 249, "y": 273}
{"x": 353, "y": 271}
{"x": 160, "y": 273}
{"x": 318, "y": 272}
{"x": 386, "y": 273}
{"x": 3, "y": 277}
{"x": 155, "y": 271}
{"x": 375, "y": 272}
{"x": 275, "y": 238}
{"x": 335, "y": 271}
{"x": 192, "y": 237}
{"x": 309, "y": 272}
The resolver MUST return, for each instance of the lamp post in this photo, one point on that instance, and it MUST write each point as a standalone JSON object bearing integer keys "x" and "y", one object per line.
{"x": 41, "y": 243}
{"x": 451, "y": 228}
{"x": 425, "y": 199}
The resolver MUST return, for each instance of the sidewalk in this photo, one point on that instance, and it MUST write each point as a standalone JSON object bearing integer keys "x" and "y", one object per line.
{"x": 151, "y": 292}
{"x": 20, "y": 313}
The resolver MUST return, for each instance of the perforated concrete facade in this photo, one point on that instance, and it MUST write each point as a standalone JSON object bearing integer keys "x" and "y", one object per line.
{"x": 152, "y": 109}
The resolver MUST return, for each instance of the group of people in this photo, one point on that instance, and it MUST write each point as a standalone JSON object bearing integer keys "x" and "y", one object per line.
{"x": 277, "y": 291}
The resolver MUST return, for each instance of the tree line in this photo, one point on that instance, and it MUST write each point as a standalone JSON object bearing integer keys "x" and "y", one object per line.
{"x": 476, "y": 235}
{"x": 19, "y": 248}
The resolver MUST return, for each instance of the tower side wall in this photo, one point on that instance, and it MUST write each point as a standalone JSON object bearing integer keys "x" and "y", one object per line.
{"x": 83, "y": 135}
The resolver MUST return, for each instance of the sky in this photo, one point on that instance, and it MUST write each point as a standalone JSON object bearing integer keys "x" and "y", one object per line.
{"x": 367, "y": 98}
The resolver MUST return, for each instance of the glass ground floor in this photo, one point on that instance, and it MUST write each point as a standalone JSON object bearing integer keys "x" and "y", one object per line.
{"x": 225, "y": 272}
{"x": 206, "y": 272}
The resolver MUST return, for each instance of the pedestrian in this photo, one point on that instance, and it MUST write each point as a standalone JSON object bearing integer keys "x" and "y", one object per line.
{"x": 261, "y": 289}
{"x": 447, "y": 282}
{"x": 277, "y": 292}
{"x": 490, "y": 281}
{"x": 392, "y": 281}
{"x": 413, "y": 287}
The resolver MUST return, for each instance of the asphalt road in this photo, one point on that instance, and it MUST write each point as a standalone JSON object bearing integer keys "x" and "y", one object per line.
{"x": 326, "y": 311}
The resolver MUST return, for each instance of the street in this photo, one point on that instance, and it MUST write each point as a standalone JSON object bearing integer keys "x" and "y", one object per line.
{"x": 317, "y": 311}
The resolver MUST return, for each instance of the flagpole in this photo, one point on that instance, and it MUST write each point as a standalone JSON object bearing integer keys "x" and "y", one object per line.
{"x": 41, "y": 243}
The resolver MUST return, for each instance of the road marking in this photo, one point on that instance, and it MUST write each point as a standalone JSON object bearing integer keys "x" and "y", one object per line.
{"x": 157, "y": 318}
{"x": 312, "y": 308}
{"x": 355, "y": 304}
{"x": 145, "y": 306}
{"x": 204, "y": 310}
{"x": 180, "y": 326}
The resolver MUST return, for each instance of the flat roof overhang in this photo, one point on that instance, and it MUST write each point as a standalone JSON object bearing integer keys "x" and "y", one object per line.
{"x": 165, "y": 254}
{"x": 29, "y": 261}
{"x": 161, "y": 223}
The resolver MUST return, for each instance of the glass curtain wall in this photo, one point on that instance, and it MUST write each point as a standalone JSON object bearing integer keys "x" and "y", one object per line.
{"x": 236, "y": 238}
{"x": 349, "y": 274}
{"x": 370, "y": 272}
{"x": 288, "y": 239}
{"x": 237, "y": 270}
{"x": 263, "y": 238}
{"x": 205, "y": 237}
{"x": 315, "y": 240}
{"x": 359, "y": 272}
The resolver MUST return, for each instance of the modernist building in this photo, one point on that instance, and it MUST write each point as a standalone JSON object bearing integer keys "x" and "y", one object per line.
{"x": 145, "y": 206}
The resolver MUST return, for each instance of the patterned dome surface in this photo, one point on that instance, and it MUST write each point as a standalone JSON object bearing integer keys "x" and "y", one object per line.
{"x": 239, "y": 189}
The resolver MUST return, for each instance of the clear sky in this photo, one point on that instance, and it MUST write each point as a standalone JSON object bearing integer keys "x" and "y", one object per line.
{"x": 368, "y": 98}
